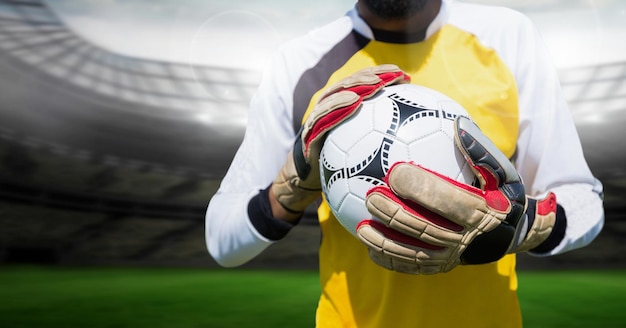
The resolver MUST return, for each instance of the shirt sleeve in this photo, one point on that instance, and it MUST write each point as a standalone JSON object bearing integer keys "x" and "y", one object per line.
{"x": 549, "y": 153}
{"x": 231, "y": 238}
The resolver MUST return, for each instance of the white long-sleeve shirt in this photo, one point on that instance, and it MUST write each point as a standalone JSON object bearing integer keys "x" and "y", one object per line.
{"x": 489, "y": 59}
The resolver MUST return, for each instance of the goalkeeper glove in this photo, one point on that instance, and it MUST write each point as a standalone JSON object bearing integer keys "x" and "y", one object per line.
{"x": 298, "y": 183}
{"x": 430, "y": 223}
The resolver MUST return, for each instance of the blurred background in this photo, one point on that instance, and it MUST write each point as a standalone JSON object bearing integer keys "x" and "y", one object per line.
{"x": 119, "y": 118}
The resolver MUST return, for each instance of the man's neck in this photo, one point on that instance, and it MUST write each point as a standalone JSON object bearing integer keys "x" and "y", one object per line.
{"x": 417, "y": 23}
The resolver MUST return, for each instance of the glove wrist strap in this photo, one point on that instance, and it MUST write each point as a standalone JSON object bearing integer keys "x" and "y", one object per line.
{"x": 260, "y": 214}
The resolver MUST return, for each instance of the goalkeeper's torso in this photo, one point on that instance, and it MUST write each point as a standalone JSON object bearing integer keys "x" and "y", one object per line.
{"x": 469, "y": 62}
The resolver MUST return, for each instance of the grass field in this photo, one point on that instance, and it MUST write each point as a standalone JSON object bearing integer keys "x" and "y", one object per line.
{"x": 117, "y": 297}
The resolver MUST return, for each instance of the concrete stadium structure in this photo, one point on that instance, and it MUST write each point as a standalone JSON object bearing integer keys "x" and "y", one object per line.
{"x": 106, "y": 158}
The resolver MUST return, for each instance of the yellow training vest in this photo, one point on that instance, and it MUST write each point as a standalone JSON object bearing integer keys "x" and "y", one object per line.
{"x": 358, "y": 293}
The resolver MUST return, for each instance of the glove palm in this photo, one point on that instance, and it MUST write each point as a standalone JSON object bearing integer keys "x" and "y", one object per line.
{"x": 430, "y": 223}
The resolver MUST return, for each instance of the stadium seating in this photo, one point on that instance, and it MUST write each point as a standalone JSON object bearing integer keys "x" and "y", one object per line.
{"x": 114, "y": 158}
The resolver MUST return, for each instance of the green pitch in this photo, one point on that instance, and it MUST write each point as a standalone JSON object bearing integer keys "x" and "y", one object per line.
{"x": 572, "y": 299}
{"x": 113, "y": 297}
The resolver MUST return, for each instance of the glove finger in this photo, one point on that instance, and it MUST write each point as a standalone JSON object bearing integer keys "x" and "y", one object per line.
{"x": 402, "y": 254}
{"x": 492, "y": 167}
{"x": 361, "y": 78}
{"x": 394, "y": 264}
{"x": 457, "y": 202}
{"x": 411, "y": 219}
{"x": 381, "y": 69}
{"x": 342, "y": 100}
{"x": 330, "y": 112}
{"x": 482, "y": 153}
{"x": 369, "y": 80}
{"x": 392, "y": 234}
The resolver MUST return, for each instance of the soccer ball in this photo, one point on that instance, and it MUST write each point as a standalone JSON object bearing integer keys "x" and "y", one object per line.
{"x": 403, "y": 122}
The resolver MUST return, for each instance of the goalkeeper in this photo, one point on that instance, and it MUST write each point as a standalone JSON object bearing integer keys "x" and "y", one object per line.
{"x": 443, "y": 253}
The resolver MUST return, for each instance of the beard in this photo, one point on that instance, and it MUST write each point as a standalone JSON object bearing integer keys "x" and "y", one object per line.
{"x": 395, "y": 9}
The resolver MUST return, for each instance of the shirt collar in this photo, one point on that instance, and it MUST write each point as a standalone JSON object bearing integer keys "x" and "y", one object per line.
{"x": 362, "y": 28}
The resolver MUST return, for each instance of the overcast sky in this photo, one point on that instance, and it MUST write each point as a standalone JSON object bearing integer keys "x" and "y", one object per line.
{"x": 242, "y": 33}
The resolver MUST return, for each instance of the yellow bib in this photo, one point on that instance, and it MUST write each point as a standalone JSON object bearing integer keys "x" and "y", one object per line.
{"x": 358, "y": 293}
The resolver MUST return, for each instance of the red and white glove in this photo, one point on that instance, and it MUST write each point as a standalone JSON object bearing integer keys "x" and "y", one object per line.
{"x": 430, "y": 223}
{"x": 298, "y": 183}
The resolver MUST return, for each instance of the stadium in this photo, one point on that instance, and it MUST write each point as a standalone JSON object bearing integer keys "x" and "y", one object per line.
{"x": 108, "y": 160}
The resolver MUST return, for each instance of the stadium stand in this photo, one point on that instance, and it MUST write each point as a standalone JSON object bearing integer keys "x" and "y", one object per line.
{"x": 110, "y": 159}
